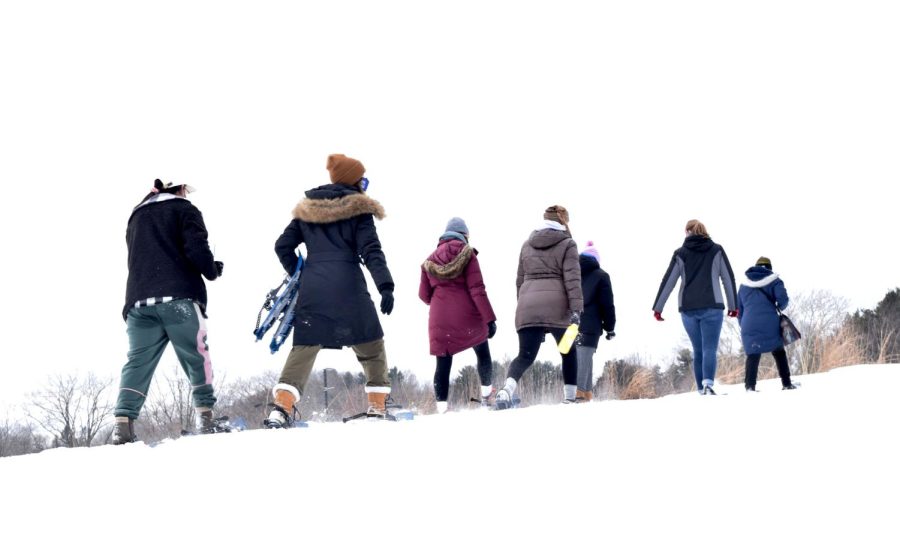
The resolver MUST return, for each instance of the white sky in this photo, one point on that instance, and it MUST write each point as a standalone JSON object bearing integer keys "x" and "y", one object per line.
{"x": 773, "y": 122}
{"x": 812, "y": 472}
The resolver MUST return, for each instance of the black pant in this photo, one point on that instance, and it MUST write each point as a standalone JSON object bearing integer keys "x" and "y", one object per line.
{"x": 444, "y": 363}
{"x": 781, "y": 362}
{"x": 530, "y": 339}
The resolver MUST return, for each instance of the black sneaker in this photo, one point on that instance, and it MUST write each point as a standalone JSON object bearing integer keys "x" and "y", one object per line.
{"x": 789, "y": 386}
{"x": 708, "y": 390}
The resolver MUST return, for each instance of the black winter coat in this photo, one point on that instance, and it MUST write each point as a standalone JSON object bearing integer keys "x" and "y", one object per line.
{"x": 337, "y": 224}
{"x": 168, "y": 252}
{"x": 599, "y": 307}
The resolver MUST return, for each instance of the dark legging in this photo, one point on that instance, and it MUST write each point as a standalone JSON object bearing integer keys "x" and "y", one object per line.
{"x": 530, "y": 339}
{"x": 444, "y": 363}
{"x": 781, "y": 362}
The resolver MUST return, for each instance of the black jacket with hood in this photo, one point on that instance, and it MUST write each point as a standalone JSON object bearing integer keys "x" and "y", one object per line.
{"x": 599, "y": 307}
{"x": 336, "y": 222}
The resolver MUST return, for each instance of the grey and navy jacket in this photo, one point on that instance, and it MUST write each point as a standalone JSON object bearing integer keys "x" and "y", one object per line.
{"x": 168, "y": 252}
{"x": 702, "y": 265}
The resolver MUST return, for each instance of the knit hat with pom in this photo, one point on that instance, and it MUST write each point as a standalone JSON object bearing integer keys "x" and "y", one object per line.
{"x": 591, "y": 251}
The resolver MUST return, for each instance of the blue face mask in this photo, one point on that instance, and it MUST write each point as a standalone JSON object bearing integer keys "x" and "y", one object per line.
{"x": 364, "y": 183}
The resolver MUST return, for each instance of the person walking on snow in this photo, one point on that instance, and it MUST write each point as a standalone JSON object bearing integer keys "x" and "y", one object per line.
{"x": 548, "y": 288}
{"x": 336, "y": 222}
{"x": 165, "y": 300}
{"x": 460, "y": 316}
{"x": 702, "y": 266}
{"x": 758, "y": 297}
{"x": 599, "y": 316}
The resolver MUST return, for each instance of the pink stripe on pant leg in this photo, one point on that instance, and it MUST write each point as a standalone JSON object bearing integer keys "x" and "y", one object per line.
{"x": 201, "y": 345}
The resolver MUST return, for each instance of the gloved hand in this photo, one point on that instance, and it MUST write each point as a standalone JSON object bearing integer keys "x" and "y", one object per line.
{"x": 492, "y": 328}
{"x": 575, "y": 318}
{"x": 387, "y": 301}
{"x": 732, "y": 313}
{"x": 219, "y": 267}
{"x": 658, "y": 316}
{"x": 610, "y": 335}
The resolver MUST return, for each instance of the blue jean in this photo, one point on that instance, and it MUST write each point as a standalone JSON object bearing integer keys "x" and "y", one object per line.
{"x": 703, "y": 327}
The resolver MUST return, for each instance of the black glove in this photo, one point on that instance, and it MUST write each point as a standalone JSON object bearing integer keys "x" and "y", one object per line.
{"x": 219, "y": 267}
{"x": 610, "y": 334}
{"x": 575, "y": 318}
{"x": 492, "y": 328}
{"x": 387, "y": 301}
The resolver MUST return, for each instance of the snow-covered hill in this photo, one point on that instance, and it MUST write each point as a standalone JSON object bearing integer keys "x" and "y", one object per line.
{"x": 805, "y": 473}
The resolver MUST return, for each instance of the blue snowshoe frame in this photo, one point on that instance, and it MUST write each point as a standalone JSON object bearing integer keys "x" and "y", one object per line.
{"x": 281, "y": 302}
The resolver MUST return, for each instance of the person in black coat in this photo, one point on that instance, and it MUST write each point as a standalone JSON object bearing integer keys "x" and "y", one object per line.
{"x": 336, "y": 222}
{"x": 599, "y": 316}
{"x": 165, "y": 300}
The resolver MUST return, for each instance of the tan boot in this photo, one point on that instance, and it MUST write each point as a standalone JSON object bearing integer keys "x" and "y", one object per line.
{"x": 377, "y": 404}
{"x": 283, "y": 414}
{"x": 582, "y": 396}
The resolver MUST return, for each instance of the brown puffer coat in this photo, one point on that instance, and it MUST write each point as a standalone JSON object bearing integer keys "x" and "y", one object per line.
{"x": 549, "y": 280}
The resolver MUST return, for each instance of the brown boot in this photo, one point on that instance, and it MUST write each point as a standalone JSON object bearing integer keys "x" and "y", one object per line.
{"x": 377, "y": 404}
{"x": 582, "y": 396}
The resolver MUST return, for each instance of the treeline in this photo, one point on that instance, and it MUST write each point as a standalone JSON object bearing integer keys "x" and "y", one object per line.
{"x": 77, "y": 411}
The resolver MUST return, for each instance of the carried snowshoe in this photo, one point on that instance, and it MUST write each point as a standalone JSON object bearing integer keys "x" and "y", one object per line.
{"x": 281, "y": 303}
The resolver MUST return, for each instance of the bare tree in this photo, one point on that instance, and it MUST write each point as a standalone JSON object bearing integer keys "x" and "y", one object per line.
{"x": 72, "y": 410}
{"x": 820, "y": 316}
{"x": 17, "y": 438}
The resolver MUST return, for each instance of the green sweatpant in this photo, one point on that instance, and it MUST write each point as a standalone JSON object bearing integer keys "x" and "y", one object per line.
{"x": 370, "y": 355}
{"x": 149, "y": 331}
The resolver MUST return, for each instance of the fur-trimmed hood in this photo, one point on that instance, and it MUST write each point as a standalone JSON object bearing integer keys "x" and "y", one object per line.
{"x": 335, "y": 202}
{"x": 758, "y": 277}
{"x": 450, "y": 259}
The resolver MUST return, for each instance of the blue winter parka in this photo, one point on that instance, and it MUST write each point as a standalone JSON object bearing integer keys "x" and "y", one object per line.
{"x": 760, "y": 329}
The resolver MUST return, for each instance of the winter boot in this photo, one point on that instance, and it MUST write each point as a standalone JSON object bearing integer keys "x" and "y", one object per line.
{"x": 569, "y": 392}
{"x": 206, "y": 424}
{"x": 707, "y": 390}
{"x": 377, "y": 407}
{"x": 284, "y": 410}
{"x": 123, "y": 431}
{"x": 790, "y": 386}
{"x": 503, "y": 399}
{"x": 441, "y": 407}
{"x": 582, "y": 396}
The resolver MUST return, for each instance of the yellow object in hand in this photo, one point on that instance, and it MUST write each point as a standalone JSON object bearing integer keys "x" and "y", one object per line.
{"x": 568, "y": 339}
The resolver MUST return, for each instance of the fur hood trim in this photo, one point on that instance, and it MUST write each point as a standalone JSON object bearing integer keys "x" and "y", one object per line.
{"x": 450, "y": 270}
{"x": 767, "y": 280}
{"x": 337, "y": 209}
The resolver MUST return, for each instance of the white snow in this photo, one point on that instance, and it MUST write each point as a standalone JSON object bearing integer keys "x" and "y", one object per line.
{"x": 813, "y": 472}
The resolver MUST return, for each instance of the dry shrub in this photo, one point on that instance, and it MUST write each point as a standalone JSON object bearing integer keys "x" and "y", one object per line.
{"x": 641, "y": 386}
{"x": 730, "y": 368}
{"x": 843, "y": 349}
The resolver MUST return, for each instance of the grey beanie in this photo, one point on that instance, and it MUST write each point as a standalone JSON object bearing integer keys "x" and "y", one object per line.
{"x": 457, "y": 225}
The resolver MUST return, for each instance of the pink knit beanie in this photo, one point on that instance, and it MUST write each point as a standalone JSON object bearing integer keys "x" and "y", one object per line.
{"x": 591, "y": 251}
